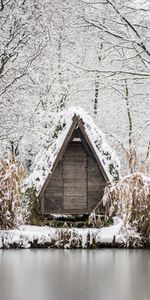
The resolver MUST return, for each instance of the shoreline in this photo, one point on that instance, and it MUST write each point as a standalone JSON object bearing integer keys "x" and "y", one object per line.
{"x": 30, "y": 236}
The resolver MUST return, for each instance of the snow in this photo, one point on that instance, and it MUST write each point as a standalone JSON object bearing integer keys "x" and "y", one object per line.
{"x": 45, "y": 159}
{"x": 26, "y": 235}
{"x": 145, "y": 179}
{"x": 124, "y": 186}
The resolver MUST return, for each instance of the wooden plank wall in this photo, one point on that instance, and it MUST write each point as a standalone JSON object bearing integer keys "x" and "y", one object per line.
{"x": 75, "y": 177}
{"x": 96, "y": 183}
{"x": 77, "y": 184}
{"x": 53, "y": 196}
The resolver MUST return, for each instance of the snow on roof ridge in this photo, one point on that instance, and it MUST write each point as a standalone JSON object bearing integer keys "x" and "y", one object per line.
{"x": 45, "y": 159}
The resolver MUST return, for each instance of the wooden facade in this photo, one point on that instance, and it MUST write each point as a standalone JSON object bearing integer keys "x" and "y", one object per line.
{"x": 77, "y": 181}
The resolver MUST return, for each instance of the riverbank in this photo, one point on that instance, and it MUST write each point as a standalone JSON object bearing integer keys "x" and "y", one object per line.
{"x": 27, "y": 236}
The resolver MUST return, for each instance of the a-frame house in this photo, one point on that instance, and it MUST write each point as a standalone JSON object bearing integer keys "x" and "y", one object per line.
{"x": 78, "y": 167}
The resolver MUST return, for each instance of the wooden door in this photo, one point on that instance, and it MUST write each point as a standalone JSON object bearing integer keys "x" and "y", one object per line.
{"x": 75, "y": 178}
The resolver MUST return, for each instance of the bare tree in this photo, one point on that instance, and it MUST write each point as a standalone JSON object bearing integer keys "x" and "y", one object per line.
{"x": 94, "y": 54}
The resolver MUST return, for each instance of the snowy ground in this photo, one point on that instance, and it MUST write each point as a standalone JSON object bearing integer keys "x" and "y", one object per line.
{"x": 27, "y": 236}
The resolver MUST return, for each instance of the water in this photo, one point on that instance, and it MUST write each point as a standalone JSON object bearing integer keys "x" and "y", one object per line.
{"x": 103, "y": 274}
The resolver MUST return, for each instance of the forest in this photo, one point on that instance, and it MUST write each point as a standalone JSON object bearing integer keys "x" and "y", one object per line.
{"x": 91, "y": 54}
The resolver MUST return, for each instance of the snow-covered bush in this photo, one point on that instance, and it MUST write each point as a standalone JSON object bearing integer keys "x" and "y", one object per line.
{"x": 129, "y": 199}
{"x": 12, "y": 202}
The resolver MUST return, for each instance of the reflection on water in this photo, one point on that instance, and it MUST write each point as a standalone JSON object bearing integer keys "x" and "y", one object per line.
{"x": 103, "y": 274}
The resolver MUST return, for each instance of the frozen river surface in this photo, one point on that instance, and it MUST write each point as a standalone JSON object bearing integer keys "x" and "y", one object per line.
{"x": 103, "y": 274}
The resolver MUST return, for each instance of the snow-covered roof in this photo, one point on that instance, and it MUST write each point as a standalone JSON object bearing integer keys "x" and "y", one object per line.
{"x": 45, "y": 159}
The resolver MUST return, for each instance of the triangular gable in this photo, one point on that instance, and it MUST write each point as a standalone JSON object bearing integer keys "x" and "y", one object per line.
{"x": 77, "y": 122}
{"x": 47, "y": 159}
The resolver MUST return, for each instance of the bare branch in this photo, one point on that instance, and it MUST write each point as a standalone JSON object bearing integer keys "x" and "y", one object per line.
{"x": 114, "y": 72}
{"x": 12, "y": 82}
{"x": 141, "y": 44}
{"x": 1, "y": 5}
{"x": 105, "y": 29}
